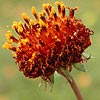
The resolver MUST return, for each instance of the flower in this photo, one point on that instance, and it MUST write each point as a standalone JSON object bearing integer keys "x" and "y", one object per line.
{"x": 49, "y": 42}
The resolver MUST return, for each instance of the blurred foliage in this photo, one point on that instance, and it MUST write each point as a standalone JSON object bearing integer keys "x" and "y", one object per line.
{"x": 13, "y": 84}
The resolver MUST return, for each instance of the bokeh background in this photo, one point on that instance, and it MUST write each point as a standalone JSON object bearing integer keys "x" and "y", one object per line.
{"x": 13, "y": 84}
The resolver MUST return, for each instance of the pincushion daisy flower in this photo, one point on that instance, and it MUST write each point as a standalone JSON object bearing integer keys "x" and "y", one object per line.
{"x": 50, "y": 43}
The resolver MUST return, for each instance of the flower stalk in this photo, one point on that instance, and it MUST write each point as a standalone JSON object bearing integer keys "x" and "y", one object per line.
{"x": 75, "y": 89}
{"x": 71, "y": 81}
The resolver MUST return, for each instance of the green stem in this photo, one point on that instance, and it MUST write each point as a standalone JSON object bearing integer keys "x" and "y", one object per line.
{"x": 72, "y": 84}
{"x": 75, "y": 89}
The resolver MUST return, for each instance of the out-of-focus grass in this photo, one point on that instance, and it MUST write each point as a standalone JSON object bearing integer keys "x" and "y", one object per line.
{"x": 14, "y": 86}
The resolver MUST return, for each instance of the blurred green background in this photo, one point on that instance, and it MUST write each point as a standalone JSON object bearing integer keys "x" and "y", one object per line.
{"x": 13, "y": 84}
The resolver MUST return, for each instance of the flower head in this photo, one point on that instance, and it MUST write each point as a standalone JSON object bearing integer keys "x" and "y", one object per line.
{"x": 49, "y": 42}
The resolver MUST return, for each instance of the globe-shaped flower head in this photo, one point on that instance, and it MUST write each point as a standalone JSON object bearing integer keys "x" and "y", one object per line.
{"x": 48, "y": 43}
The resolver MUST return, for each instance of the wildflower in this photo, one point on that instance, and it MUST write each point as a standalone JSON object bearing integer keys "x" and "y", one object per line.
{"x": 48, "y": 43}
